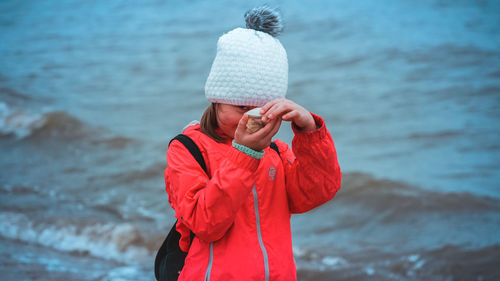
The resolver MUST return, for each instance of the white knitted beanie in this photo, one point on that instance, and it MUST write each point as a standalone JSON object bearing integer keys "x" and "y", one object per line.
{"x": 251, "y": 66}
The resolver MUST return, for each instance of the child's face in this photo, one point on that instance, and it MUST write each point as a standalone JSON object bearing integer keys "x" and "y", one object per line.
{"x": 228, "y": 117}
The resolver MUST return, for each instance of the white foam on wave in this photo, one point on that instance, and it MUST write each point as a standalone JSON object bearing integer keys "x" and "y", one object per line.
{"x": 413, "y": 258}
{"x": 309, "y": 259}
{"x": 297, "y": 251}
{"x": 369, "y": 271}
{"x": 105, "y": 240}
{"x": 334, "y": 262}
{"x": 417, "y": 262}
{"x": 18, "y": 122}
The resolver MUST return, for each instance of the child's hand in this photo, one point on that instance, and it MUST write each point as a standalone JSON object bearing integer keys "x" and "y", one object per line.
{"x": 287, "y": 110}
{"x": 259, "y": 139}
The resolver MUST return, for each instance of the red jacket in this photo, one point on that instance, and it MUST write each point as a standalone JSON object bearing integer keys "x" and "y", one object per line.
{"x": 241, "y": 214}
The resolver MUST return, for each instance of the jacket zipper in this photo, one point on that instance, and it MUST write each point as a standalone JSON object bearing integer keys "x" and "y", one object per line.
{"x": 259, "y": 233}
{"x": 210, "y": 261}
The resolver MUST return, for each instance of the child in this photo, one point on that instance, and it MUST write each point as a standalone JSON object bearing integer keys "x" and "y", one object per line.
{"x": 240, "y": 212}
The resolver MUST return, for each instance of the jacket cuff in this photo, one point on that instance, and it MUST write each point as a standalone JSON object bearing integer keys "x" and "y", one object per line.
{"x": 242, "y": 160}
{"x": 317, "y": 134}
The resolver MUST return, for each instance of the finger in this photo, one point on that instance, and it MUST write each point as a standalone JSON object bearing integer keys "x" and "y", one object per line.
{"x": 290, "y": 115}
{"x": 271, "y": 106}
{"x": 278, "y": 110}
{"x": 273, "y": 111}
{"x": 266, "y": 129}
{"x": 268, "y": 105}
{"x": 266, "y": 116}
{"x": 276, "y": 127}
{"x": 265, "y": 134}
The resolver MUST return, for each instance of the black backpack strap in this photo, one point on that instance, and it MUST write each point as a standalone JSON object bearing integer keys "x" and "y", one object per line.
{"x": 193, "y": 149}
{"x": 275, "y": 147}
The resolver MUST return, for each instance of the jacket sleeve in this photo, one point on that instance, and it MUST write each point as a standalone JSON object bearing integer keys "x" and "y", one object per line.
{"x": 312, "y": 172}
{"x": 208, "y": 206}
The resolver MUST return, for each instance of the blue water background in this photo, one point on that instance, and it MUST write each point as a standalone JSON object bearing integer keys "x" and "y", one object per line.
{"x": 409, "y": 90}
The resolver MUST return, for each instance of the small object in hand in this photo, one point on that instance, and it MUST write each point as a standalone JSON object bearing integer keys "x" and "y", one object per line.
{"x": 254, "y": 120}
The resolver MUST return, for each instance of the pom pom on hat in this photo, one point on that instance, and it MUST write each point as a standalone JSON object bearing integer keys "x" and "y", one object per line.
{"x": 251, "y": 65}
{"x": 264, "y": 19}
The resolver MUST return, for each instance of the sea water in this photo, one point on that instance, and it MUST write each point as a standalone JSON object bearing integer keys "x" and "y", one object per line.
{"x": 91, "y": 92}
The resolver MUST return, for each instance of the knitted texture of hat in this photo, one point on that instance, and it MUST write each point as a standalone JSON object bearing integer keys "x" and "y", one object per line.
{"x": 250, "y": 67}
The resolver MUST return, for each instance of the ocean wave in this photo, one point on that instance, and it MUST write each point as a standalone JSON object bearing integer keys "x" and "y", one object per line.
{"x": 308, "y": 259}
{"x": 451, "y": 55}
{"x": 117, "y": 142}
{"x": 448, "y": 262}
{"x": 150, "y": 172}
{"x": 367, "y": 210}
{"x": 22, "y": 123}
{"x": 18, "y": 123}
{"x": 403, "y": 198}
{"x": 121, "y": 242}
{"x": 60, "y": 124}
{"x": 12, "y": 96}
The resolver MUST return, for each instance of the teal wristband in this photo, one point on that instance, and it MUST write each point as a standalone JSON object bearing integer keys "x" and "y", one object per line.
{"x": 248, "y": 151}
